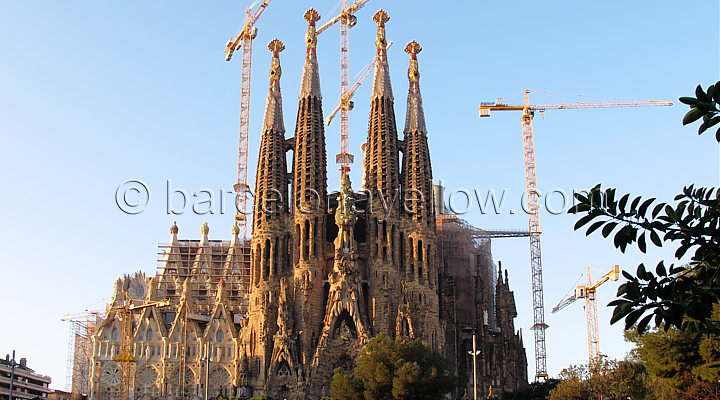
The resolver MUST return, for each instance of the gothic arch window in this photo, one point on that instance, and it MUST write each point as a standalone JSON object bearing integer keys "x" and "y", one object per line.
{"x": 219, "y": 336}
{"x": 110, "y": 376}
{"x": 146, "y": 382}
{"x": 114, "y": 334}
{"x": 283, "y": 370}
{"x": 305, "y": 240}
{"x": 149, "y": 335}
{"x": 189, "y": 383}
{"x": 219, "y": 383}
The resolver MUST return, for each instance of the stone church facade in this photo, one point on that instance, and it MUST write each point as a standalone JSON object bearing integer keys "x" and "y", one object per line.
{"x": 322, "y": 273}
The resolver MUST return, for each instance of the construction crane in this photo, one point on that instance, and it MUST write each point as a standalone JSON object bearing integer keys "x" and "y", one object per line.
{"x": 125, "y": 358}
{"x": 589, "y": 293}
{"x": 347, "y": 20}
{"x": 244, "y": 40}
{"x": 528, "y": 112}
{"x": 364, "y": 74}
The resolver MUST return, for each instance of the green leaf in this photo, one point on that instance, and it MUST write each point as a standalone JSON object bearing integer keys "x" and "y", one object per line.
{"x": 623, "y": 201}
{"x": 692, "y": 116}
{"x": 641, "y": 243}
{"x": 657, "y": 209}
{"x": 618, "y": 314}
{"x": 655, "y": 239}
{"x": 691, "y": 101}
{"x": 607, "y": 229}
{"x": 644, "y": 206}
{"x": 660, "y": 269}
{"x": 594, "y": 227}
{"x": 632, "y": 318}
{"x": 584, "y": 220}
{"x": 644, "y": 323}
{"x": 700, "y": 94}
{"x": 634, "y": 204}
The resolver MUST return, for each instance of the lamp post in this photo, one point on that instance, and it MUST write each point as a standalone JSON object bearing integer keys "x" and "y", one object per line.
{"x": 12, "y": 374}
{"x": 207, "y": 369}
{"x": 474, "y": 353}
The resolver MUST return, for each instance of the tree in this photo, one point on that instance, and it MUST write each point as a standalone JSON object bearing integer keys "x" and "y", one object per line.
{"x": 394, "y": 369}
{"x": 606, "y": 379}
{"x": 533, "y": 391}
{"x": 680, "y": 296}
{"x": 676, "y": 360}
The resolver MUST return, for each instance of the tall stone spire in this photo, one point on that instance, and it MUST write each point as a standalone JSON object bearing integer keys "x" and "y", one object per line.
{"x": 381, "y": 81}
{"x": 381, "y": 158}
{"x": 309, "y": 202}
{"x": 269, "y": 251}
{"x": 310, "y": 84}
{"x": 420, "y": 259}
{"x": 382, "y": 184}
{"x": 417, "y": 170}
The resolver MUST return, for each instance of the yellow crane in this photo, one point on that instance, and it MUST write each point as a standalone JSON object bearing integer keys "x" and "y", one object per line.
{"x": 125, "y": 358}
{"x": 244, "y": 40}
{"x": 589, "y": 293}
{"x": 350, "y": 104}
{"x": 347, "y": 20}
{"x": 528, "y": 112}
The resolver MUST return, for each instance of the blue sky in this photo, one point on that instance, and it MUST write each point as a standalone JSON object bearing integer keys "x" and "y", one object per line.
{"x": 95, "y": 93}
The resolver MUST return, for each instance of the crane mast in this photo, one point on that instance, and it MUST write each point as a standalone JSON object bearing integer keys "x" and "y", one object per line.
{"x": 539, "y": 325}
{"x": 345, "y": 158}
{"x": 347, "y": 20}
{"x": 532, "y": 198}
{"x": 244, "y": 39}
{"x": 351, "y": 92}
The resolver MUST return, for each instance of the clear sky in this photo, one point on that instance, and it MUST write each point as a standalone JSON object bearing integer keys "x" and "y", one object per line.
{"x": 95, "y": 93}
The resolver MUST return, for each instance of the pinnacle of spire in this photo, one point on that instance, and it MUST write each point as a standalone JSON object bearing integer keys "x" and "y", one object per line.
{"x": 273, "y": 120}
{"x": 415, "y": 116}
{"x": 173, "y": 234}
{"x": 310, "y": 84}
{"x": 235, "y": 235}
{"x": 381, "y": 78}
{"x": 204, "y": 230}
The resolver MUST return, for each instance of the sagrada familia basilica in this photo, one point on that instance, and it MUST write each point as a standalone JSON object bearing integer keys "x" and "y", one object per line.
{"x": 322, "y": 273}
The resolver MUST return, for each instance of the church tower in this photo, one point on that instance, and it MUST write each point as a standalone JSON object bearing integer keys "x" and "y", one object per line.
{"x": 309, "y": 202}
{"x": 270, "y": 261}
{"x": 382, "y": 185}
{"x": 416, "y": 315}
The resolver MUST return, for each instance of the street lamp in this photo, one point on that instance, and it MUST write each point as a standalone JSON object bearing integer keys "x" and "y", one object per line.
{"x": 474, "y": 353}
{"x": 207, "y": 360}
{"x": 12, "y": 374}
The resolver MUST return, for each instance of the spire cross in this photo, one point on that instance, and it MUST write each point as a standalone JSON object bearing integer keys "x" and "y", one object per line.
{"x": 381, "y": 17}
{"x": 311, "y": 16}
{"x": 275, "y": 46}
{"x": 413, "y": 48}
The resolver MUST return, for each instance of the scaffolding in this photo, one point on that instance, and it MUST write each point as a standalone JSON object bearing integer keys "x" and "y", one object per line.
{"x": 206, "y": 264}
{"x": 79, "y": 356}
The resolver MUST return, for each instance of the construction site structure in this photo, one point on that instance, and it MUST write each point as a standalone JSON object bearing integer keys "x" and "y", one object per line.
{"x": 82, "y": 327}
{"x": 243, "y": 40}
{"x": 533, "y": 209}
{"x": 589, "y": 293}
